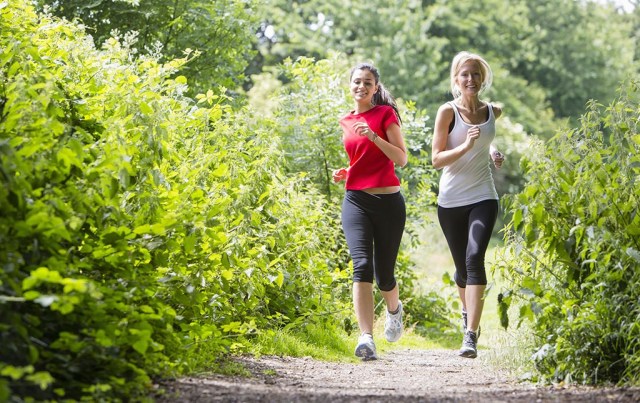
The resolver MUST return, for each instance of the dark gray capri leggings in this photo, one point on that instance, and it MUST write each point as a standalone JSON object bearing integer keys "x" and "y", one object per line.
{"x": 468, "y": 231}
{"x": 373, "y": 226}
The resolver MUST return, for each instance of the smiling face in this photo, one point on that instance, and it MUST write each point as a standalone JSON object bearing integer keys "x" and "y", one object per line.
{"x": 363, "y": 86}
{"x": 469, "y": 72}
{"x": 469, "y": 78}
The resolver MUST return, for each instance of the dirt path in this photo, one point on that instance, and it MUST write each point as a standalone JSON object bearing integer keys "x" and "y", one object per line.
{"x": 398, "y": 376}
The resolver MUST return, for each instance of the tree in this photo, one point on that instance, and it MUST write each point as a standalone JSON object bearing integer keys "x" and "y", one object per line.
{"x": 566, "y": 52}
{"x": 221, "y": 31}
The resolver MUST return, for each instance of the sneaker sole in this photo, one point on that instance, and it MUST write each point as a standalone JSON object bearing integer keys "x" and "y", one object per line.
{"x": 365, "y": 353}
{"x": 468, "y": 354}
{"x": 392, "y": 340}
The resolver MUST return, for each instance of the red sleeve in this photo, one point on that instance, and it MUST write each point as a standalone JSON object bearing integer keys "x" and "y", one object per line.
{"x": 389, "y": 118}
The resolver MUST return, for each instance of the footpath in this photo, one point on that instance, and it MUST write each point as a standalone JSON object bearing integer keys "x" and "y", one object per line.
{"x": 404, "y": 375}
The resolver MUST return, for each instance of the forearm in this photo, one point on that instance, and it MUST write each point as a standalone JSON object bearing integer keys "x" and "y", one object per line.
{"x": 440, "y": 159}
{"x": 394, "y": 153}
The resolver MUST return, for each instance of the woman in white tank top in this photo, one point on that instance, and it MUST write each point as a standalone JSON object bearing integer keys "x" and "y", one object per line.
{"x": 467, "y": 199}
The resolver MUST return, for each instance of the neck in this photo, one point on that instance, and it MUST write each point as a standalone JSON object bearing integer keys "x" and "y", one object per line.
{"x": 361, "y": 108}
{"x": 472, "y": 104}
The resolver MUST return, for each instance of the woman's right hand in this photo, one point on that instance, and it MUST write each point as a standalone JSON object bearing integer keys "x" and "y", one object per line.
{"x": 339, "y": 174}
{"x": 472, "y": 134}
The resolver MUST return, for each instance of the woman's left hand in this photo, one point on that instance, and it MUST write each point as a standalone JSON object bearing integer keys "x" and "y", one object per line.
{"x": 362, "y": 129}
{"x": 498, "y": 158}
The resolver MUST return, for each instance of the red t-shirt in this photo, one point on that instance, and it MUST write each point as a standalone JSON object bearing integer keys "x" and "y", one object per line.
{"x": 368, "y": 166}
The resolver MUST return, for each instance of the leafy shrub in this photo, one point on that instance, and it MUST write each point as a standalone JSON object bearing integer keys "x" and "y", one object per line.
{"x": 574, "y": 248}
{"x": 141, "y": 231}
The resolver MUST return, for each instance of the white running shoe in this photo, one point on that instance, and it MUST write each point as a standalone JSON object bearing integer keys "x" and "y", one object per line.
{"x": 366, "y": 348}
{"x": 393, "y": 325}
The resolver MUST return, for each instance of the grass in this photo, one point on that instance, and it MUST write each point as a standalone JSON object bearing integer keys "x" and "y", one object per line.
{"x": 335, "y": 345}
{"x": 432, "y": 261}
{"x": 321, "y": 342}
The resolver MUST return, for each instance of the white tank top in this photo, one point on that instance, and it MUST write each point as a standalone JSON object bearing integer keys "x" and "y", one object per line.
{"x": 468, "y": 180}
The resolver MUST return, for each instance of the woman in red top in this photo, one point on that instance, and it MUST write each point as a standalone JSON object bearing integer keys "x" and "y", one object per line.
{"x": 373, "y": 210}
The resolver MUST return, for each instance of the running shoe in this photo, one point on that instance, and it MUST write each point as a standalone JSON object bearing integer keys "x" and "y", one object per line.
{"x": 469, "y": 347}
{"x": 366, "y": 349}
{"x": 393, "y": 324}
{"x": 464, "y": 324}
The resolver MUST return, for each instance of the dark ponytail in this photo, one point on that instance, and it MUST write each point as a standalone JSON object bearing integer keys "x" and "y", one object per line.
{"x": 382, "y": 96}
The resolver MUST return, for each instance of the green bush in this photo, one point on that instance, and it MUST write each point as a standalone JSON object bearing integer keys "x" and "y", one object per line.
{"x": 574, "y": 248}
{"x": 141, "y": 230}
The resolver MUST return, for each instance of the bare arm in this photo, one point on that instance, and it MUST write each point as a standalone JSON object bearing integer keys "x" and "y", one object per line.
{"x": 394, "y": 148}
{"x": 497, "y": 111}
{"x": 440, "y": 156}
{"x": 496, "y": 156}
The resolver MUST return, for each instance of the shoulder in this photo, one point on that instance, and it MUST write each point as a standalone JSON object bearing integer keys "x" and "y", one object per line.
{"x": 384, "y": 109}
{"x": 497, "y": 110}
{"x": 445, "y": 111}
{"x": 387, "y": 113}
{"x": 346, "y": 116}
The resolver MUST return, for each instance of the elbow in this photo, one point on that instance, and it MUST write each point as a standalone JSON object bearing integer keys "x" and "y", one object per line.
{"x": 436, "y": 163}
{"x": 402, "y": 161}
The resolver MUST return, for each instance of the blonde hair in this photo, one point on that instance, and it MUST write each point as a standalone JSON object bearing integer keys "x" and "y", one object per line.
{"x": 459, "y": 60}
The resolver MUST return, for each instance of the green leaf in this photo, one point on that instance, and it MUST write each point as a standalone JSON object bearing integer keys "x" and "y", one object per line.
{"x": 280, "y": 279}
{"x": 189, "y": 243}
{"x": 43, "y": 379}
{"x": 221, "y": 170}
{"x": 503, "y": 308}
{"x": 142, "y": 339}
{"x": 145, "y": 108}
{"x": 16, "y": 373}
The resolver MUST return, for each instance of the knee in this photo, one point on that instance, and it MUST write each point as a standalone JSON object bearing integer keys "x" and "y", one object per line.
{"x": 362, "y": 270}
{"x": 476, "y": 273}
{"x": 460, "y": 279}
{"x": 387, "y": 284}
{"x": 474, "y": 261}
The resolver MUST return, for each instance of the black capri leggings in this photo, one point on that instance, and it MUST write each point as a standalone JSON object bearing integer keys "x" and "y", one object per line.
{"x": 468, "y": 231}
{"x": 373, "y": 226}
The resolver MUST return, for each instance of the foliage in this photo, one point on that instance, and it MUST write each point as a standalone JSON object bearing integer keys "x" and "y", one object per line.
{"x": 557, "y": 47}
{"x": 550, "y": 50}
{"x": 314, "y": 28}
{"x": 574, "y": 253}
{"x": 307, "y": 119}
{"x": 220, "y": 31}
{"x": 533, "y": 50}
{"x": 141, "y": 232}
